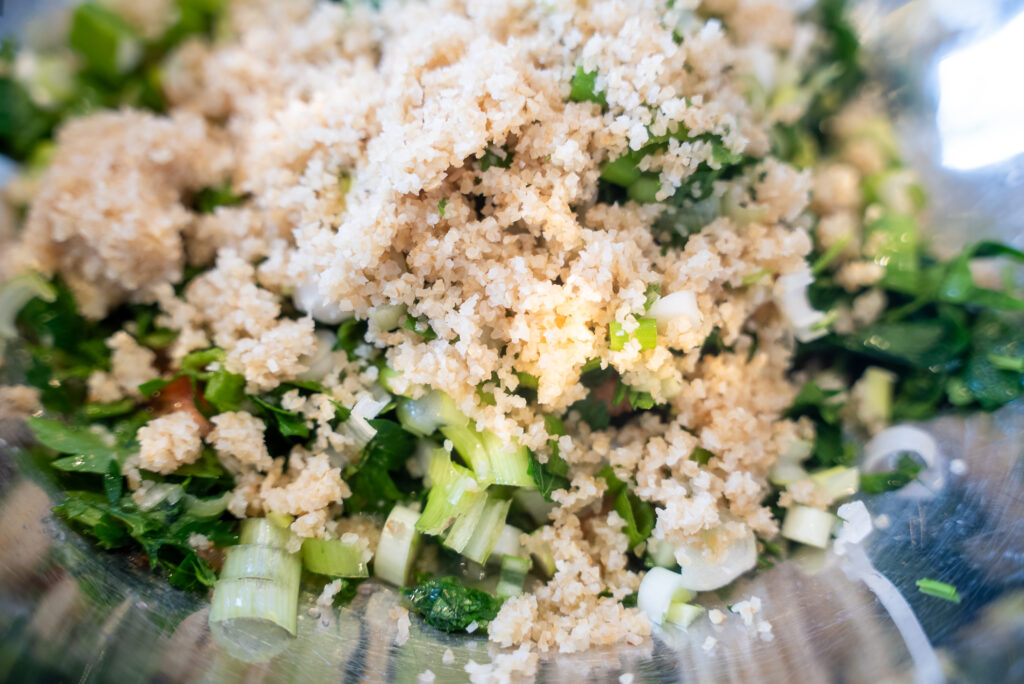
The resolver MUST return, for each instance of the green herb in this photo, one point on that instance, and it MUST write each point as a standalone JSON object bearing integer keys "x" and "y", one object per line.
{"x": 350, "y": 335}
{"x": 549, "y": 476}
{"x": 420, "y": 326}
{"x": 638, "y": 514}
{"x": 289, "y": 423}
{"x": 162, "y": 533}
{"x": 821, "y": 407}
{"x": 380, "y": 479}
{"x": 445, "y": 604}
{"x": 938, "y": 589}
{"x": 89, "y": 451}
{"x": 207, "y": 200}
{"x": 582, "y": 88}
{"x": 876, "y": 483}
{"x": 499, "y": 157}
{"x": 441, "y": 206}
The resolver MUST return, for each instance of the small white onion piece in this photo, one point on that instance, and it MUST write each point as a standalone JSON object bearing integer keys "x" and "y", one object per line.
{"x": 882, "y": 453}
{"x": 308, "y": 299}
{"x": 701, "y": 573}
{"x": 322, "y": 359}
{"x": 791, "y": 298}
{"x": 682, "y": 304}
{"x": 808, "y": 526}
{"x": 659, "y": 589}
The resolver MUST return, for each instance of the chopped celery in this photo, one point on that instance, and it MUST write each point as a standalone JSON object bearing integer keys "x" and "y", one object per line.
{"x": 513, "y": 576}
{"x": 334, "y": 557}
{"x": 808, "y": 526}
{"x": 396, "y": 549}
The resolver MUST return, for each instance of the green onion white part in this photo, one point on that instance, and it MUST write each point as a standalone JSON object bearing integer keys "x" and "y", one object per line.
{"x": 882, "y": 452}
{"x": 389, "y": 316}
{"x": 158, "y": 493}
{"x": 254, "y": 614}
{"x": 319, "y": 363}
{"x": 661, "y": 554}
{"x": 791, "y": 298}
{"x": 838, "y": 482}
{"x": 309, "y": 300}
{"x": 659, "y": 591}
{"x": 513, "y": 576}
{"x": 207, "y": 508}
{"x": 397, "y": 547}
{"x": 334, "y": 557}
{"x": 808, "y": 525}
{"x": 488, "y": 530}
{"x": 508, "y": 544}
{"x": 454, "y": 491}
{"x": 701, "y": 573}
{"x": 683, "y": 614}
{"x": 425, "y": 415}
{"x": 680, "y": 305}
{"x": 874, "y": 400}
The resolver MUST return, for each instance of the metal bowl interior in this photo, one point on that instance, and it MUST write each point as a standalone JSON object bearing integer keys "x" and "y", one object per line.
{"x": 70, "y": 611}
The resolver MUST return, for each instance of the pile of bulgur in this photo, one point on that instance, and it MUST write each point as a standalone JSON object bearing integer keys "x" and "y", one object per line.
{"x": 357, "y": 138}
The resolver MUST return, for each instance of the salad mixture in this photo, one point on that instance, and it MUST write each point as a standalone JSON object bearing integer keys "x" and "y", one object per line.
{"x": 552, "y": 314}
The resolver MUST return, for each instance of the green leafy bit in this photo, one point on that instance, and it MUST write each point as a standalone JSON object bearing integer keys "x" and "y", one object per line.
{"x": 938, "y": 589}
{"x": 350, "y": 335}
{"x": 549, "y": 476}
{"x": 638, "y": 514}
{"x": 378, "y": 481}
{"x": 89, "y": 451}
{"x": 207, "y": 200}
{"x": 646, "y": 333}
{"x": 420, "y": 326}
{"x": 500, "y": 157}
{"x": 582, "y": 88}
{"x": 162, "y": 532}
{"x": 446, "y": 604}
{"x": 876, "y": 483}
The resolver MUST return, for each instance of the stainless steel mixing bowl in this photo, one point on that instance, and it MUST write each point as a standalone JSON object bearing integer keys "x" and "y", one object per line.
{"x": 69, "y": 612}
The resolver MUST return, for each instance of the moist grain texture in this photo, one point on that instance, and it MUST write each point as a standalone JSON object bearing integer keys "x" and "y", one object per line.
{"x": 359, "y": 141}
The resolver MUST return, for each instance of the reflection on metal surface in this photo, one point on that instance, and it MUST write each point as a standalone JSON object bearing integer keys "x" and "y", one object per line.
{"x": 981, "y": 106}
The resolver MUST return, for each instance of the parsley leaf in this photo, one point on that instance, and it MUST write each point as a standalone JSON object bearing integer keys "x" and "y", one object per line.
{"x": 447, "y": 605}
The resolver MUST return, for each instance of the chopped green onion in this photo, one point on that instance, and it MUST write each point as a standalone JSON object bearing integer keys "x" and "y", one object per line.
{"x": 513, "y": 576}
{"x": 334, "y": 558}
{"x": 254, "y": 611}
{"x": 424, "y": 415}
{"x": 683, "y": 614}
{"x": 454, "y": 491}
{"x": 14, "y": 295}
{"x": 255, "y": 561}
{"x": 644, "y": 189}
{"x": 469, "y": 445}
{"x": 874, "y": 405}
{"x": 487, "y": 530}
{"x": 1008, "y": 363}
{"x": 808, "y": 526}
{"x": 659, "y": 590}
{"x": 837, "y": 482}
{"x": 207, "y": 508}
{"x": 938, "y": 589}
{"x": 396, "y": 549}
{"x": 661, "y": 554}
{"x": 106, "y": 42}
{"x": 509, "y": 463}
{"x": 508, "y": 543}
{"x": 646, "y": 333}
{"x": 263, "y": 531}
{"x": 253, "y": 619}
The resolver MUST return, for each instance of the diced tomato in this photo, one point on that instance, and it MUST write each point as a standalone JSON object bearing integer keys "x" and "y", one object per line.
{"x": 177, "y": 396}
